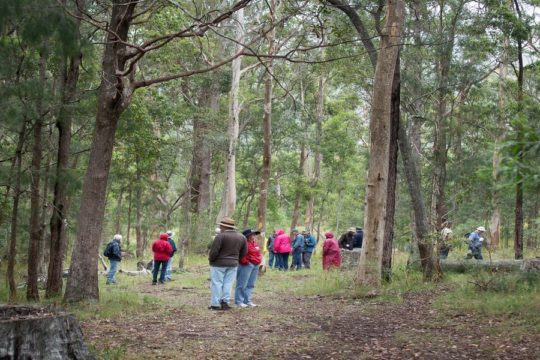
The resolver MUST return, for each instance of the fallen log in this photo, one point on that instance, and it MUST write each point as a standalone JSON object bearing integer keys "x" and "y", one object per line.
{"x": 497, "y": 265}
{"x": 40, "y": 333}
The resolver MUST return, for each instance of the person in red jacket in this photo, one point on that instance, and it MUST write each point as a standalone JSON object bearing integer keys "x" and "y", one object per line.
{"x": 248, "y": 269}
{"x": 331, "y": 254}
{"x": 162, "y": 252}
{"x": 282, "y": 247}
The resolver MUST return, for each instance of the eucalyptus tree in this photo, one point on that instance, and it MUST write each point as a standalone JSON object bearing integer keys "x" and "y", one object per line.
{"x": 121, "y": 59}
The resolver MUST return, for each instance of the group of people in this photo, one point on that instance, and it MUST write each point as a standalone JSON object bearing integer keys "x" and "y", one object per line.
{"x": 301, "y": 245}
{"x": 474, "y": 240}
{"x": 163, "y": 248}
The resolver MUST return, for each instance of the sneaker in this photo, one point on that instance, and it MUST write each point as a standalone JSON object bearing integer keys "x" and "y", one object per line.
{"x": 241, "y": 306}
{"x": 214, "y": 307}
{"x": 250, "y": 304}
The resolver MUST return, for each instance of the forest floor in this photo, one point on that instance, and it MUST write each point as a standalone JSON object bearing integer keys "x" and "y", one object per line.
{"x": 300, "y": 316}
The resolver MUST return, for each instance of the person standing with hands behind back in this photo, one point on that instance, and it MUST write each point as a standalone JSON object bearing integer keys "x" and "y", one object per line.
{"x": 113, "y": 252}
{"x": 162, "y": 252}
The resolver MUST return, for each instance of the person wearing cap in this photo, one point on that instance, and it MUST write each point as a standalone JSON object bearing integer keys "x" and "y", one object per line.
{"x": 331, "y": 257}
{"x": 475, "y": 241}
{"x": 297, "y": 249}
{"x": 248, "y": 269}
{"x": 272, "y": 256}
{"x": 113, "y": 252}
{"x": 346, "y": 240}
{"x": 168, "y": 273}
{"x": 162, "y": 252}
{"x": 358, "y": 238}
{"x": 227, "y": 249}
{"x": 309, "y": 246}
{"x": 282, "y": 247}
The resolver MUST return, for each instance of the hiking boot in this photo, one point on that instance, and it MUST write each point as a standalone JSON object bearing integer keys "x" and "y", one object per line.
{"x": 214, "y": 308}
{"x": 154, "y": 282}
{"x": 225, "y": 306}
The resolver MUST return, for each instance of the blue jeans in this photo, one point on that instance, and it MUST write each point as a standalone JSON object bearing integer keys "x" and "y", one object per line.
{"x": 272, "y": 259}
{"x": 283, "y": 261}
{"x": 245, "y": 283}
{"x": 297, "y": 259}
{"x": 221, "y": 280}
{"x": 157, "y": 265}
{"x": 168, "y": 273}
{"x": 111, "y": 275}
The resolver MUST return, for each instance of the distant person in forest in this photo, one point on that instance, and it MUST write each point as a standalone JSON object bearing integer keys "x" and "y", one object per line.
{"x": 297, "y": 250}
{"x": 445, "y": 243}
{"x": 475, "y": 241}
{"x": 168, "y": 273}
{"x": 113, "y": 251}
{"x": 358, "y": 238}
{"x": 331, "y": 257}
{"x": 309, "y": 247}
{"x": 248, "y": 269}
{"x": 272, "y": 257}
{"x": 346, "y": 240}
{"x": 162, "y": 252}
{"x": 282, "y": 247}
{"x": 227, "y": 249}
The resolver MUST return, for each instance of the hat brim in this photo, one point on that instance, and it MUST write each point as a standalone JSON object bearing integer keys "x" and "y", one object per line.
{"x": 229, "y": 226}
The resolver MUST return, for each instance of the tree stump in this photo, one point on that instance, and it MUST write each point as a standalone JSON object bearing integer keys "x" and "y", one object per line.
{"x": 350, "y": 258}
{"x": 40, "y": 333}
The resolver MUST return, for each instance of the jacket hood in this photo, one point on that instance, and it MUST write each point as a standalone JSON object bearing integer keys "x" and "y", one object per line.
{"x": 328, "y": 235}
{"x": 280, "y": 232}
{"x": 163, "y": 236}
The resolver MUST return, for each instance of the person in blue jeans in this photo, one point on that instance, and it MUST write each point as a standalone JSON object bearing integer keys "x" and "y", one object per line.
{"x": 297, "y": 250}
{"x": 309, "y": 247}
{"x": 272, "y": 256}
{"x": 168, "y": 273}
{"x": 113, "y": 252}
{"x": 475, "y": 241}
{"x": 226, "y": 250}
{"x": 248, "y": 269}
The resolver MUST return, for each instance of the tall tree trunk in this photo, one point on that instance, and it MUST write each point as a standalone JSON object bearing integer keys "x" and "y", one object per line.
{"x": 370, "y": 267}
{"x": 228, "y": 203}
{"x": 267, "y": 132}
{"x": 319, "y": 117}
{"x": 130, "y": 206}
{"x": 518, "y": 222}
{"x": 118, "y": 215}
{"x": 16, "y": 188}
{"x": 45, "y": 239}
{"x": 392, "y": 174}
{"x": 138, "y": 214}
{"x": 114, "y": 97}
{"x": 301, "y": 167}
{"x": 36, "y": 237}
{"x": 421, "y": 226}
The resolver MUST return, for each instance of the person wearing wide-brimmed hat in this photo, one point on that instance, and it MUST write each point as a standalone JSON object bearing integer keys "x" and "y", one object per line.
{"x": 475, "y": 241}
{"x": 248, "y": 269}
{"x": 227, "y": 249}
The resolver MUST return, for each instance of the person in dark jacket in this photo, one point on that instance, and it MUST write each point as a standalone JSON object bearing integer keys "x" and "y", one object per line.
{"x": 297, "y": 250}
{"x": 346, "y": 240}
{"x": 358, "y": 238}
{"x": 162, "y": 253}
{"x": 113, "y": 252}
{"x": 309, "y": 247}
{"x": 248, "y": 271}
{"x": 272, "y": 256}
{"x": 227, "y": 249}
{"x": 168, "y": 273}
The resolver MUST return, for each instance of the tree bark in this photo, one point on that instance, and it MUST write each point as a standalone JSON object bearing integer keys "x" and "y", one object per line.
{"x": 370, "y": 269}
{"x": 130, "y": 206}
{"x": 113, "y": 99}
{"x": 16, "y": 188}
{"x": 36, "y": 237}
{"x": 138, "y": 213}
{"x": 392, "y": 174}
{"x": 267, "y": 132}
{"x": 118, "y": 215}
{"x": 68, "y": 84}
{"x": 228, "y": 203}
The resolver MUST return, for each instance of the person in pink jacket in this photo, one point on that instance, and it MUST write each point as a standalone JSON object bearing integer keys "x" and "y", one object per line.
{"x": 331, "y": 257}
{"x": 162, "y": 252}
{"x": 282, "y": 248}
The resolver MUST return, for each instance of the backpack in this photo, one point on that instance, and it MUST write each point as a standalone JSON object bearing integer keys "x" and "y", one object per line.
{"x": 108, "y": 250}
{"x": 467, "y": 235}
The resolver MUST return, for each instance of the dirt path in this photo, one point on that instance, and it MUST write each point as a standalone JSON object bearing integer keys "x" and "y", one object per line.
{"x": 289, "y": 327}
